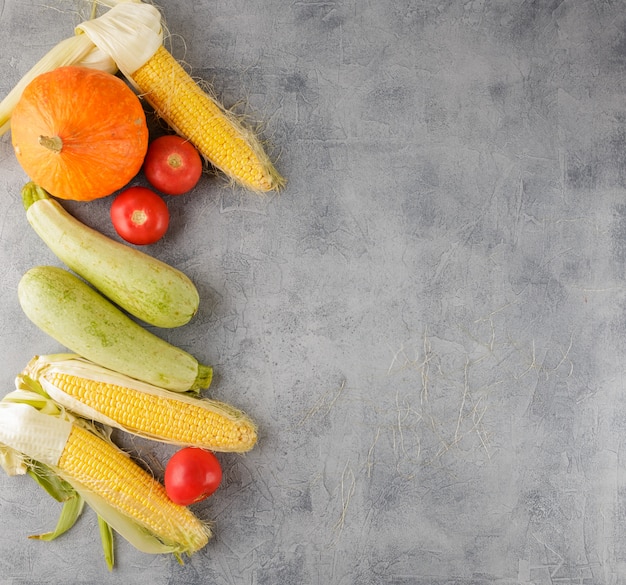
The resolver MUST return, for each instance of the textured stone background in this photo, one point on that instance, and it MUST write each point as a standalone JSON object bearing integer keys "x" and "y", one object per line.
{"x": 428, "y": 323}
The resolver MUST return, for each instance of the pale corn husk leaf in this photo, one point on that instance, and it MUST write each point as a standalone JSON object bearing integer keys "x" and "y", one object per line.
{"x": 37, "y": 435}
{"x": 12, "y": 462}
{"x": 54, "y": 486}
{"x": 97, "y": 59}
{"x": 111, "y": 3}
{"x": 130, "y": 33}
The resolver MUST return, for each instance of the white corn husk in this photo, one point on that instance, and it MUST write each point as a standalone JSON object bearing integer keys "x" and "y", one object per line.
{"x": 33, "y": 426}
{"x": 26, "y": 430}
{"x": 13, "y": 462}
{"x": 98, "y": 59}
{"x": 130, "y": 33}
{"x": 111, "y": 3}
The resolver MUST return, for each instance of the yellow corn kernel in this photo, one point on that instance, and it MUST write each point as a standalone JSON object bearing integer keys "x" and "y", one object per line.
{"x": 101, "y": 467}
{"x": 193, "y": 114}
{"x": 174, "y": 418}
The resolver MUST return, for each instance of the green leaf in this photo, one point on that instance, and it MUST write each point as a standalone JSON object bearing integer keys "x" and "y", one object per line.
{"x": 58, "y": 488}
{"x": 72, "y": 509}
{"x": 30, "y": 391}
{"x": 27, "y": 383}
{"x": 106, "y": 535}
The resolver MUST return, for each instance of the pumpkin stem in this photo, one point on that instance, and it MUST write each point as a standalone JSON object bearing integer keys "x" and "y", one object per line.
{"x": 54, "y": 143}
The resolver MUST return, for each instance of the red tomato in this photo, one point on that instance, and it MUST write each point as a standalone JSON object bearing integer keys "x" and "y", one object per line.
{"x": 140, "y": 216}
{"x": 191, "y": 475}
{"x": 172, "y": 165}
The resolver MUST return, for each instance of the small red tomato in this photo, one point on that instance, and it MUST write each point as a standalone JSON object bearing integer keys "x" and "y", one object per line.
{"x": 140, "y": 216}
{"x": 191, "y": 475}
{"x": 172, "y": 165}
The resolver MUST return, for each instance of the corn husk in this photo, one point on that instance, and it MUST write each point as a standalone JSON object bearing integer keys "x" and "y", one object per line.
{"x": 32, "y": 432}
{"x": 130, "y": 33}
{"x": 41, "y": 370}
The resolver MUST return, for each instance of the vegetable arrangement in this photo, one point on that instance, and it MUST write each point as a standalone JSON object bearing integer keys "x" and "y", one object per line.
{"x": 147, "y": 288}
{"x": 177, "y": 98}
{"x": 70, "y": 311}
{"x": 79, "y": 131}
{"x": 124, "y": 495}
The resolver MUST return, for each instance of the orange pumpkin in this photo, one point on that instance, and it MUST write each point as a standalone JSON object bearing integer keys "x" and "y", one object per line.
{"x": 79, "y": 133}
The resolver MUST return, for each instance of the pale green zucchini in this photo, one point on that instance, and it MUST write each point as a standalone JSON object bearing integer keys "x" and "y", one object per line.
{"x": 147, "y": 288}
{"x": 77, "y": 316}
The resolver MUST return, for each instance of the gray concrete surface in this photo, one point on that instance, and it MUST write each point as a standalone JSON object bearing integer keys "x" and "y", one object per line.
{"x": 427, "y": 324}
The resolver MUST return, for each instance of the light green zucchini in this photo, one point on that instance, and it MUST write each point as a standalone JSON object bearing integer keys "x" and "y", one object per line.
{"x": 147, "y": 288}
{"x": 77, "y": 316}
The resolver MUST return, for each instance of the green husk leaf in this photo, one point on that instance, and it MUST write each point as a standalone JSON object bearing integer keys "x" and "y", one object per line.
{"x": 106, "y": 536}
{"x": 56, "y": 487}
{"x": 29, "y": 391}
{"x": 61, "y": 491}
{"x": 72, "y": 509}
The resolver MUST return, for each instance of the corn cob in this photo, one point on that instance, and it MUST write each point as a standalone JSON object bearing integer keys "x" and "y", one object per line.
{"x": 194, "y": 114}
{"x": 142, "y": 409}
{"x": 101, "y": 472}
{"x": 101, "y": 467}
{"x": 177, "y": 98}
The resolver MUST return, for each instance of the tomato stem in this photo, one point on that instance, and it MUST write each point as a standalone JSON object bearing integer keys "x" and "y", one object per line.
{"x": 139, "y": 217}
{"x": 175, "y": 160}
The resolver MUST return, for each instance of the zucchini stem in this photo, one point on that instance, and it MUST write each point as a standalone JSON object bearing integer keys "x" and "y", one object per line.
{"x": 31, "y": 193}
{"x": 204, "y": 377}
